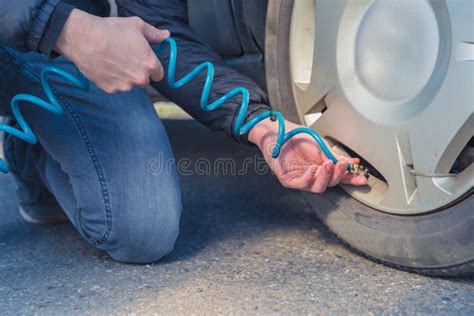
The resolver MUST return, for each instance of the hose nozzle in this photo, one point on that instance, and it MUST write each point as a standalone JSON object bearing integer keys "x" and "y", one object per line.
{"x": 359, "y": 169}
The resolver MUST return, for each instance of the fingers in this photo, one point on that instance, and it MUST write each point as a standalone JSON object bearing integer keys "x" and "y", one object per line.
{"x": 322, "y": 178}
{"x": 156, "y": 69}
{"x": 317, "y": 178}
{"x": 114, "y": 86}
{"x": 305, "y": 181}
{"x": 355, "y": 160}
{"x": 340, "y": 170}
{"x": 153, "y": 34}
{"x": 354, "y": 179}
{"x": 349, "y": 159}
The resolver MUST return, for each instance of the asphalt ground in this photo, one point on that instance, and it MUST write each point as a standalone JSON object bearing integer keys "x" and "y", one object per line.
{"x": 247, "y": 246}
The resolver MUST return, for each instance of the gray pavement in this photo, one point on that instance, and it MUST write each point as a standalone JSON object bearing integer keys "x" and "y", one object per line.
{"x": 247, "y": 246}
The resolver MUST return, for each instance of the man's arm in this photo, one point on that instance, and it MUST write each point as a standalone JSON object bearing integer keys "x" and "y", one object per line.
{"x": 301, "y": 164}
{"x": 114, "y": 53}
{"x": 172, "y": 15}
{"x": 32, "y": 25}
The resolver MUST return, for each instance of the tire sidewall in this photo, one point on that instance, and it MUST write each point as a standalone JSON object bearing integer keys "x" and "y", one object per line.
{"x": 432, "y": 241}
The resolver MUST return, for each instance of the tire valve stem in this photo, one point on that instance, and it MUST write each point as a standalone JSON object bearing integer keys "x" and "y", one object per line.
{"x": 359, "y": 169}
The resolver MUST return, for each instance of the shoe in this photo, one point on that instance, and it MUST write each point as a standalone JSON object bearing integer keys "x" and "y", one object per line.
{"x": 42, "y": 214}
{"x": 37, "y": 204}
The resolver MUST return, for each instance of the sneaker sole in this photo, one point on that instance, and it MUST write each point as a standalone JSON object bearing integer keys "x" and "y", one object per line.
{"x": 35, "y": 221}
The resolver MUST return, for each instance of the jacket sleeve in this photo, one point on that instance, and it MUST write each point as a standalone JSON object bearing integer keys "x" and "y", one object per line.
{"x": 32, "y": 25}
{"x": 172, "y": 15}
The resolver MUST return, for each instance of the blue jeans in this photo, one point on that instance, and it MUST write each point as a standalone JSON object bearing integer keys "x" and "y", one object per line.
{"x": 94, "y": 160}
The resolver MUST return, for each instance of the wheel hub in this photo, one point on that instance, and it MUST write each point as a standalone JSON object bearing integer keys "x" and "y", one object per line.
{"x": 383, "y": 74}
{"x": 386, "y": 60}
{"x": 397, "y": 55}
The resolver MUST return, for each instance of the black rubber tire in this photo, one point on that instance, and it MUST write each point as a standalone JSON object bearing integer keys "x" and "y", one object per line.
{"x": 437, "y": 244}
{"x": 440, "y": 243}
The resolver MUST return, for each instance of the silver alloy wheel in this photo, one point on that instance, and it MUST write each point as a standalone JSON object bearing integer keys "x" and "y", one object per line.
{"x": 393, "y": 82}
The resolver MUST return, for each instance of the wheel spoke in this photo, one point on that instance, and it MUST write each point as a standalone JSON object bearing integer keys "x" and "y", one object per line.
{"x": 439, "y": 135}
{"x": 310, "y": 89}
{"x": 344, "y": 124}
{"x": 412, "y": 131}
{"x": 393, "y": 159}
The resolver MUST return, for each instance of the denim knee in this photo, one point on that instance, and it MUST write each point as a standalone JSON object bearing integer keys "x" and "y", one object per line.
{"x": 144, "y": 236}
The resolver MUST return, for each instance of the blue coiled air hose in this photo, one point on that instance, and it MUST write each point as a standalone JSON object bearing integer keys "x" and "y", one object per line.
{"x": 25, "y": 133}
{"x": 240, "y": 127}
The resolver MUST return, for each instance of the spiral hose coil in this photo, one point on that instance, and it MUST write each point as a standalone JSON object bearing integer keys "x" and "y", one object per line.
{"x": 25, "y": 133}
{"x": 240, "y": 127}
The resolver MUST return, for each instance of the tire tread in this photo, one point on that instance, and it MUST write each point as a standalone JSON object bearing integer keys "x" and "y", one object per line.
{"x": 455, "y": 271}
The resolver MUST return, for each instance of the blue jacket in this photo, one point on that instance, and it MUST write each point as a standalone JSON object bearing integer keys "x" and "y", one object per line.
{"x": 35, "y": 25}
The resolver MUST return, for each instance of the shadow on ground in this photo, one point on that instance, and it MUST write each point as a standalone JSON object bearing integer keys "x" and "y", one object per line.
{"x": 246, "y": 246}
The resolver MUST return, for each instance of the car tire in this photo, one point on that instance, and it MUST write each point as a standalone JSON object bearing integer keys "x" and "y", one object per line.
{"x": 440, "y": 243}
{"x": 436, "y": 244}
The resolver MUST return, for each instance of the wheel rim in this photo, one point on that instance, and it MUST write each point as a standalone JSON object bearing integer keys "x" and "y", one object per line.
{"x": 392, "y": 81}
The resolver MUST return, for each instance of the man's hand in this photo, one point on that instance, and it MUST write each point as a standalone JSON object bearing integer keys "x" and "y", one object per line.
{"x": 301, "y": 163}
{"x": 114, "y": 53}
